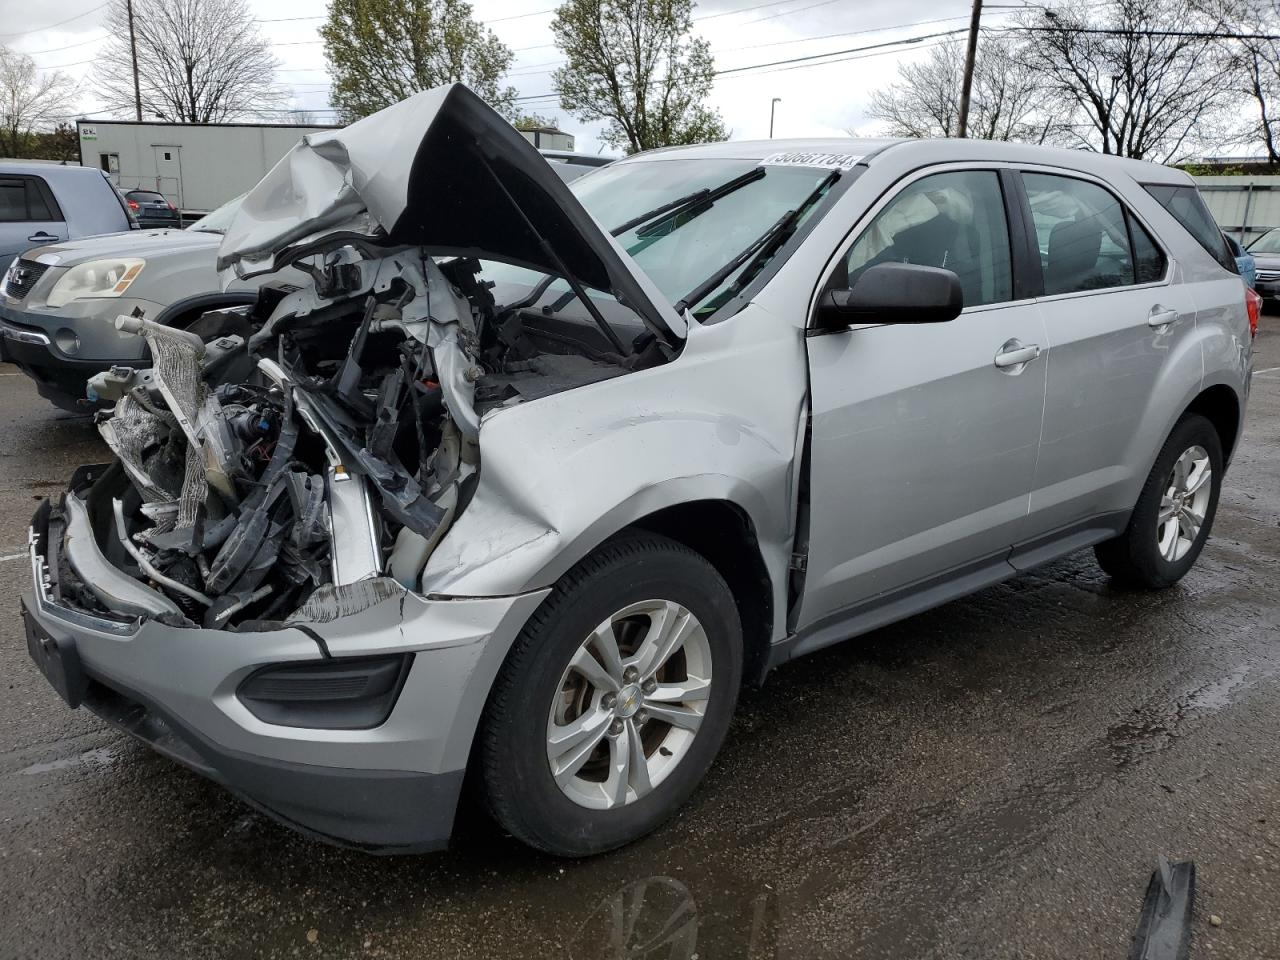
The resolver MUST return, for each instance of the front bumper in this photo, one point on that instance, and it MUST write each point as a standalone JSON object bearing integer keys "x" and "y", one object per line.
{"x": 390, "y": 788}
{"x": 30, "y": 339}
{"x": 1268, "y": 289}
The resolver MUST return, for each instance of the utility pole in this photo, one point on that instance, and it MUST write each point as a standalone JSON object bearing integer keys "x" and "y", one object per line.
{"x": 962, "y": 125}
{"x": 772, "y": 104}
{"x": 133, "y": 52}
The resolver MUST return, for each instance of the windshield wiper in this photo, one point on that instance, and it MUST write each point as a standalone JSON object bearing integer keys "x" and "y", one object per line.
{"x": 707, "y": 195}
{"x": 758, "y": 251}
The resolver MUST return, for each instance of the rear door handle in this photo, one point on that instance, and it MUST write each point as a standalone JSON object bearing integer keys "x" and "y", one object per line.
{"x": 41, "y": 237}
{"x": 1014, "y": 353}
{"x": 1161, "y": 316}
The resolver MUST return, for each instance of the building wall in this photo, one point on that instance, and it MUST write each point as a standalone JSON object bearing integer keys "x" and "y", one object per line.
{"x": 196, "y": 166}
{"x": 549, "y": 139}
{"x": 1244, "y": 206}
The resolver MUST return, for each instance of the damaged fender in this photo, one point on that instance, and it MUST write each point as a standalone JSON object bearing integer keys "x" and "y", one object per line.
{"x": 562, "y": 475}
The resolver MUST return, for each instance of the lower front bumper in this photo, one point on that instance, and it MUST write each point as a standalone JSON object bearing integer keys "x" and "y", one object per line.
{"x": 29, "y": 339}
{"x": 379, "y": 811}
{"x": 392, "y": 787}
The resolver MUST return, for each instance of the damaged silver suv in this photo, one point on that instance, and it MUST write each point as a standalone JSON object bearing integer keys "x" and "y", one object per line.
{"x": 528, "y": 479}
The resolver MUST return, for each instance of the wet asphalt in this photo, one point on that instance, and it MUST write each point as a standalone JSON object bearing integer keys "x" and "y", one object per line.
{"x": 992, "y": 779}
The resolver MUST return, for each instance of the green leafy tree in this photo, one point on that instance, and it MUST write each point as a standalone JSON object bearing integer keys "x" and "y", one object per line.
{"x": 532, "y": 121}
{"x": 635, "y": 64}
{"x": 381, "y": 51}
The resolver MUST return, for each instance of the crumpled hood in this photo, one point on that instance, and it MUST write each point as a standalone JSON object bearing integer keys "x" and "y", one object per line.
{"x": 439, "y": 170}
{"x": 131, "y": 243}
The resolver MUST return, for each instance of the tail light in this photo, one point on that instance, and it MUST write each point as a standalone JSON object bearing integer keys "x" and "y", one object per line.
{"x": 1253, "y": 306}
{"x": 170, "y": 206}
{"x": 133, "y": 204}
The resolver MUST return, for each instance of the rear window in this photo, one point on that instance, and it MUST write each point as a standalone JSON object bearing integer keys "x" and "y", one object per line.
{"x": 1187, "y": 207}
{"x": 145, "y": 196}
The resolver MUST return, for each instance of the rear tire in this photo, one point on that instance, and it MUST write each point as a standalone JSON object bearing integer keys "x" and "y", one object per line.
{"x": 1174, "y": 513}
{"x": 634, "y": 660}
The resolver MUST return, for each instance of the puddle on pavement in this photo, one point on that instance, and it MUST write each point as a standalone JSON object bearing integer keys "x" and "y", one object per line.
{"x": 98, "y": 757}
{"x": 1155, "y": 726}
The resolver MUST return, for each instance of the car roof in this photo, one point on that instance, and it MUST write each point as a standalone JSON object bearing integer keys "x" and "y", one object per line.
{"x": 912, "y": 153}
{"x": 47, "y": 169}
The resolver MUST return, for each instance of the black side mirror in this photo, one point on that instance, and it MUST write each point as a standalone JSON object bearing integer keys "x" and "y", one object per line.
{"x": 893, "y": 293}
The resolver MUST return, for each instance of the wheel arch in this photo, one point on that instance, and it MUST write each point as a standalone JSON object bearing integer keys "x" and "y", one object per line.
{"x": 1220, "y": 405}
{"x": 723, "y": 534}
{"x": 190, "y": 308}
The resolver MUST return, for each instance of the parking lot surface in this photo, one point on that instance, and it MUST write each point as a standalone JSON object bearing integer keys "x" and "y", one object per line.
{"x": 992, "y": 779}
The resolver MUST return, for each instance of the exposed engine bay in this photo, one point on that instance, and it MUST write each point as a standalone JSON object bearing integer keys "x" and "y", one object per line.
{"x": 325, "y": 436}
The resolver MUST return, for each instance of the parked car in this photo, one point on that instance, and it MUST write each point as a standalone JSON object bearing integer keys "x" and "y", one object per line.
{"x": 571, "y": 165}
{"x": 58, "y": 303}
{"x": 1245, "y": 262}
{"x": 42, "y": 203}
{"x": 151, "y": 209}
{"x": 61, "y": 342}
{"x": 722, "y": 405}
{"x": 1266, "y": 254}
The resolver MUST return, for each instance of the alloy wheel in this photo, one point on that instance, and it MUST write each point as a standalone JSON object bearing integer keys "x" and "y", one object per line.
{"x": 1184, "y": 504}
{"x": 629, "y": 704}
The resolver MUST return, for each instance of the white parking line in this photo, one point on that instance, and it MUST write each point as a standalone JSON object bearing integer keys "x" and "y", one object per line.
{"x": 13, "y": 556}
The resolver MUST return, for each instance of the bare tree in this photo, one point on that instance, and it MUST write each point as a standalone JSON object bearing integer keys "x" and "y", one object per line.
{"x": 1141, "y": 76}
{"x": 29, "y": 100}
{"x": 1006, "y": 103}
{"x": 1256, "y": 70}
{"x": 199, "y": 61}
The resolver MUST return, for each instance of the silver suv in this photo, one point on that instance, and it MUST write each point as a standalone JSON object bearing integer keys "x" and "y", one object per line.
{"x": 530, "y": 479}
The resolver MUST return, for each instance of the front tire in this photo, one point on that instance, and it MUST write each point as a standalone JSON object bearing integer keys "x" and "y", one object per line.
{"x": 1174, "y": 513}
{"x": 614, "y": 699}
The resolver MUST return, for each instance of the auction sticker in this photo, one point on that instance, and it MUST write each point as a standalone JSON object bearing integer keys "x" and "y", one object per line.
{"x": 829, "y": 161}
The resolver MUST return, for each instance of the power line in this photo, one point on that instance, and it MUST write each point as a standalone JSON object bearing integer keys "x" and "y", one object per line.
{"x": 527, "y": 70}
{"x": 1116, "y": 32}
{"x": 34, "y": 53}
{"x": 51, "y": 26}
{"x": 787, "y": 13}
{"x": 885, "y": 45}
{"x": 521, "y": 16}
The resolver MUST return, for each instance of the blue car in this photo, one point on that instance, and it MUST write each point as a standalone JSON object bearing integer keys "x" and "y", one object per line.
{"x": 1245, "y": 263}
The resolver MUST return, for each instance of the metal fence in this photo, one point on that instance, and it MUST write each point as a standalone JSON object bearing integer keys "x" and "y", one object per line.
{"x": 1246, "y": 207}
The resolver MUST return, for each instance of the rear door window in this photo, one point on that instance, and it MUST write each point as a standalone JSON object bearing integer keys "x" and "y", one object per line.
{"x": 13, "y": 200}
{"x": 26, "y": 199}
{"x": 37, "y": 206}
{"x": 1083, "y": 235}
{"x": 1186, "y": 206}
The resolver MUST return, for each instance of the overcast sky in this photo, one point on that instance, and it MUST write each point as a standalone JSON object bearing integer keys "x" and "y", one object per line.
{"x": 825, "y": 99}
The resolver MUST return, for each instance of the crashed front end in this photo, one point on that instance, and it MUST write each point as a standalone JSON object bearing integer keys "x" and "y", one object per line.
{"x": 240, "y": 587}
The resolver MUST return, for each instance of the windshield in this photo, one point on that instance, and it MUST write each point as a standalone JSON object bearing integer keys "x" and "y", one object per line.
{"x": 681, "y": 249}
{"x": 1267, "y": 243}
{"x": 218, "y": 220}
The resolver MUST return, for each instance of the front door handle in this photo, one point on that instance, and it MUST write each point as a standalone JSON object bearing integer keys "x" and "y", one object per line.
{"x": 1161, "y": 316}
{"x": 1014, "y": 353}
{"x": 41, "y": 237}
